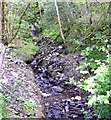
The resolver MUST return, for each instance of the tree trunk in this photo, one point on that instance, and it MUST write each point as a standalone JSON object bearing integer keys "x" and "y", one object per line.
{"x": 59, "y": 20}
{"x": 0, "y": 21}
{"x": 3, "y": 29}
{"x": 109, "y": 18}
{"x": 3, "y": 21}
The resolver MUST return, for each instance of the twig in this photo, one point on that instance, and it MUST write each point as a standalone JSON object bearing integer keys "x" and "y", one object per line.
{"x": 99, "y": 114}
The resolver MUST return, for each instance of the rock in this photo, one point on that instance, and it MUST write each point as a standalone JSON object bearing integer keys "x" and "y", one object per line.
{"x": 90, "y": 117}
{"x": 95, "y": 115}
{"x": 16, "y": 112}
{"x": 45, "y": 95}
{"x": 79, "y": 113}
{"x": 56, "y": 54}
{"x": 34, "y": 62}
{"x": 72, "y": 104}
{"x": 18, "y": 61}
{"x": 21, "y": 115}
{"x": 60, "y": 47}
{"x": 14, "y": 74}
{"x": 47, "y": 104}
{"x": 74, "y": 109}
{"x": 78, "y": 97}
{"x": 57, "y": 89}
{"x": 28, "y": 114}
{"x": 57, "y": 108}
{"x": 56, "y": 112}
{"x": 55, "y": 93}
{"x": 73, "y": 116}
{"x": 50, "y": 67}
{"x": 79, "y": 106}
{"x": 49, "y": 115}
{"x": 47, "y": 85}
{"x": 51, "y": 81}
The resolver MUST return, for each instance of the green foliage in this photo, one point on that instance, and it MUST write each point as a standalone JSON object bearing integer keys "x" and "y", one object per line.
{"x": 26, "y": 52}
{"x": 79, "y": 25}
{"x": 24, "y": 43}
{"x": 24, "y": 47}
{"x": 99, "y": 85}
{"x": 30, "y": 106}
{"x": 95, "y": 55}
{"x": 4, "y": 99}
{"x": 103, "y": 110}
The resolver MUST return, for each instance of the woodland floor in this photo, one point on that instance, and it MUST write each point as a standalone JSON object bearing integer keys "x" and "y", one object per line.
{"x": 19, "y": 89}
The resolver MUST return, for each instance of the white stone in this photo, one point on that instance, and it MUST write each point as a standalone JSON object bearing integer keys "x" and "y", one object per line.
{"x": 14, "y": 74}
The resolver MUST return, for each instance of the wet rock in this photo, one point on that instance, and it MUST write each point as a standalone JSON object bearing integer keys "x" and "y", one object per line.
{"x": 46, "y": 95}
{"x": 50, "y": 115}
{"x": 56, "y": 112}
{"x": 79, "y": 106}
{"x": 51, "y": 81}
{"x": 15, "y": 74}
{"x": 21, "y": 115}
{"x": 57, "y": 89}
{"x": 78, "y": 97}
{"x": 74, "y": 108}
{"x": 17, "y": 112}
{"x": 47, "y": 104}
{"x": 95, "y": 115}
{"x": 34, "y": 62}
{"x": 55, "y": 54}
{"x": 55, "y": 93}
{"x": 79, "y": 113}
{"x": 73, "y": 116}
{"x": 47, "y": 85}
{"x": 28, "y": 114}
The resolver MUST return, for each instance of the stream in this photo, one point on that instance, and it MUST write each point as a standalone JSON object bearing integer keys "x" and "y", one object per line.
{"x": 55, "y": 75}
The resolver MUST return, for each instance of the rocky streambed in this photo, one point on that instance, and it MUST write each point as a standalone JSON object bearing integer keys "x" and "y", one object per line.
{"x": 55, "y": 75}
